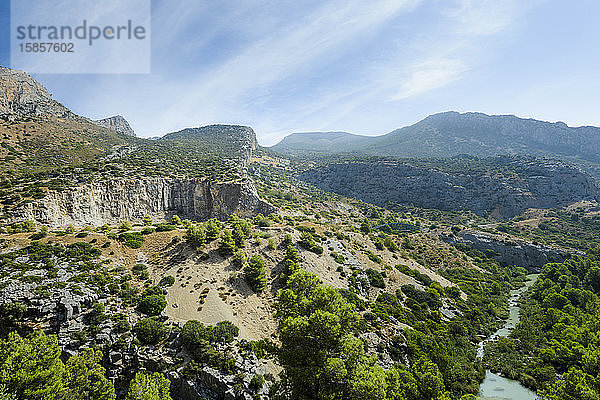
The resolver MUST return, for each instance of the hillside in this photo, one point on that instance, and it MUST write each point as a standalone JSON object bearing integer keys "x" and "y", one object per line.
{"x": 37, "y": 133}
{"x": 320, "y": 143}
{"x": 452, "y": 133}
{"x": 502, "y": 187}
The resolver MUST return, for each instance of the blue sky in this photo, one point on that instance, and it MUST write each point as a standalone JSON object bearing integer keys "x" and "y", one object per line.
{"x": 365, "y": 67}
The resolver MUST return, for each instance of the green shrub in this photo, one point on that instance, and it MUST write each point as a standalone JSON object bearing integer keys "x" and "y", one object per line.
{"x": 150, "y": 331}
{"x": 239, "y": 258}
{"x": 153, "y": 304}
{"x": 257, "y": 382}
{"x": 213, "y": 229}
{"x": 255, "y": 274}
{"x": 308, "y": 242}
{"x": 198, "y": 339}
{"x": 147, "y": 220}
{"x": 167, "y": 281}
{"x": 165, "y": 227}
{"x": 375, "y": 278}
{"x": 227, "y": 245}
{"x": 11, "y": 313}
{"x": 132, "y": 239}
{"x": 195, "y": 235}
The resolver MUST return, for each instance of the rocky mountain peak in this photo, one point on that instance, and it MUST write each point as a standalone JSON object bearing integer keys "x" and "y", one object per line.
{"x": 117, "y": 123}
{"x": 21, "y": 95}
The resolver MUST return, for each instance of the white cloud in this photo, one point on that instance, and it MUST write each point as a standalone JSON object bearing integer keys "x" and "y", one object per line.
{"x": 294, "y": 47}
{"x": 279, "y": 64}
{"x": 431, "y": 75}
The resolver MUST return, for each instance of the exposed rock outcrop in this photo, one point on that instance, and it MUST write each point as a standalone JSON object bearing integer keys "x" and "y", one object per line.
{"x": 114, "y": 200}
{"x": 511, "y": 252}
{"x": 117, "y": 123}
{"x": 21, "y": 95}
{"x": 544, "y": 184}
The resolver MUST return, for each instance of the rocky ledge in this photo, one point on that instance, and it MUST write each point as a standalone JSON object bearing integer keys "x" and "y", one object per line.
{"x": 116, "y": 200}
{"x": 117, "y": 123}
{"x": 541, "y": 184}
{"x": 510, "y": 251}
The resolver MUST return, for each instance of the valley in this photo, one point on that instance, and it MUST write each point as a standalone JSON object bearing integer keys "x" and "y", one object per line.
{"x": 210, "y": 267}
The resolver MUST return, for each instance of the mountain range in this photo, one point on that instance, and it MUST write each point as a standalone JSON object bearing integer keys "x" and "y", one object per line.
{"x": 451, "y": 133}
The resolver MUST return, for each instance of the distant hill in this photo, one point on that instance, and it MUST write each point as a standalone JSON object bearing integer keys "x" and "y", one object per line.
{"x": 321, "y": 142}
{"x": 117, "y": 123}
{"x": 452, "y": 133}
{"x": 38, "y": 133}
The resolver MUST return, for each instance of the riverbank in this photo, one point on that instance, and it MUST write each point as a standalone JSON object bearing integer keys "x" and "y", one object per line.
{"x": 495, "y": 386}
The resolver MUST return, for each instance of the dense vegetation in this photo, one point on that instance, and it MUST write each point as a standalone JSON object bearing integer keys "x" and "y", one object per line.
{"x": 577, "y": 228}
{"x": 31, "y": 368}
{"x": 558, "y": 332}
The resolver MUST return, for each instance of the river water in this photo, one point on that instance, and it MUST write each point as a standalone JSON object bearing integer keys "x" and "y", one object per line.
{"x": 494, "y": 386}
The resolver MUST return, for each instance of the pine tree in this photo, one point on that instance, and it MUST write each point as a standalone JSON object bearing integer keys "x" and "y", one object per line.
{"x": 227, "y": 246}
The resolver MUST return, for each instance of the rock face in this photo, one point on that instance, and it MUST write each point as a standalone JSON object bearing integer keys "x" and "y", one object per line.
{"x": 112, "y": 201}
{"x": 21, "y": 95}
{"x": 117, "y": 123}
{"x": 544, "y": 185}
{"x": 509, "y": 252}
{"x": 237, "y": 141}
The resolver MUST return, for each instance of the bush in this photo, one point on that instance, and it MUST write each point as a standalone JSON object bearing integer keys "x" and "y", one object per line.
{"x": 195, "y": 235}
{"x": 308, "y": 242}
{"x": 227, "y": 246}
{"x": 213, "y": 228}
{"x": 132, "y": 239}
{"x": 239, "y": 258}
{"x": 11, "y": 313}
{"x": 153, "y": 304}
{"x": 165, "y": 227}
{"x": 147, "y": 220}
{"x": 150, "y": 331}
{"x": 148, "y": 230}
{"x": 375, "y": 278}
{"x": 391, "y": 244}
{"x": 224, "y": 332}
{"x": 452, "y": 292}
{"x": 255, "y": 274}
{"x": 167, "y": 281}
{"x": 146, "y": 386}
{"x": 239, "y": 236}
{"x": 198, "y": 339}
{"x": 257, "y": 382}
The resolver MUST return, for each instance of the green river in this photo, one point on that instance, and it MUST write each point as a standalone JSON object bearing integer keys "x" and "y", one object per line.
{"x": 494, "y": 386}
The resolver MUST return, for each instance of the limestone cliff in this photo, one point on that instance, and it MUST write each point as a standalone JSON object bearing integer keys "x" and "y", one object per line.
{"x": 117, "y": 123}
{"x": 540, "y": 184}
{"x": 21, "y": 95}
{"x": 510, "y": 251}
{"x": 115, "y": 200}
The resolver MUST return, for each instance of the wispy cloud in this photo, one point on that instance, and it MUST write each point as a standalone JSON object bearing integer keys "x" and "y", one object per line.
{"x": 316, "y": 38}
{"x": 431, "y": 75}
{"x": 311, "y": 65}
